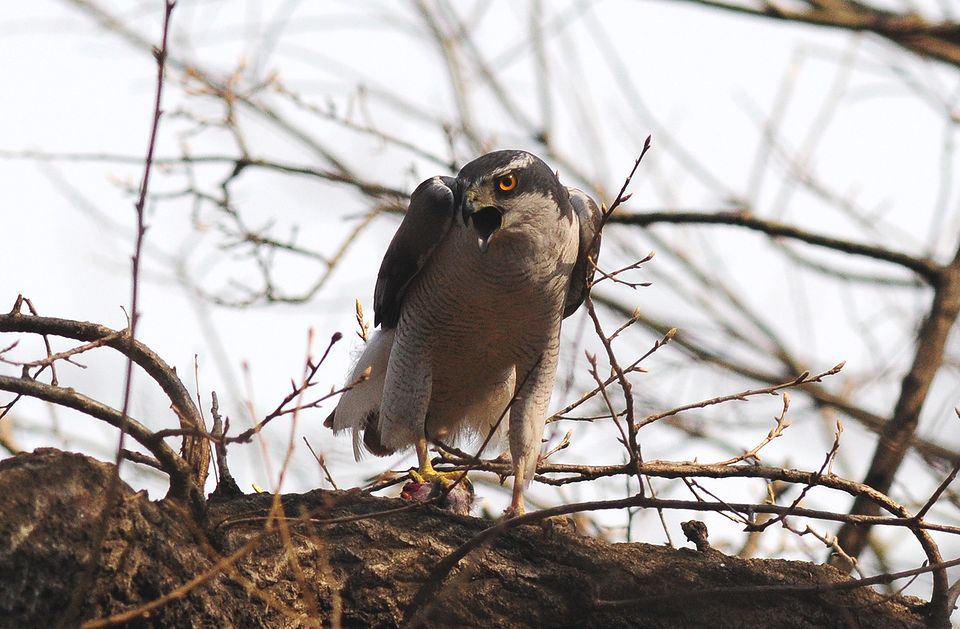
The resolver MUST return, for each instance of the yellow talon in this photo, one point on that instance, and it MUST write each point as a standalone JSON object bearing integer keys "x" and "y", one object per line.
{"x": 426, "y": 473}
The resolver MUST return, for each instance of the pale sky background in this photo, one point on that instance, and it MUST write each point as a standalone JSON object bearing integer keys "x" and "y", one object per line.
{"x": 707, "y": 80}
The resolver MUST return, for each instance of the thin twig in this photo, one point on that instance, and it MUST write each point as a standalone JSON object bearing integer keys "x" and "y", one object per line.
{"x": 804, "y": 378}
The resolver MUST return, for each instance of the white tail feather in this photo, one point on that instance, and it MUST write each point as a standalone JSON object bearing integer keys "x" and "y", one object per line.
{"x": 364, "y": 397}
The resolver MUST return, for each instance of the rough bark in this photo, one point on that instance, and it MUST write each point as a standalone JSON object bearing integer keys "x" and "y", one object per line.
{"x": 367, "y": 570}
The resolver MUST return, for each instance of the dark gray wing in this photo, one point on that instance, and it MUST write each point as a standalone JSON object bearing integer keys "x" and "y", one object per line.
{"x": 590, "y": 218}
{"x": 426, "y": 222}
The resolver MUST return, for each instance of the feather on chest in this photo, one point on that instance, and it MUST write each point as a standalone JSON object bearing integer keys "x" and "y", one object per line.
{"x": 513, "y": 291}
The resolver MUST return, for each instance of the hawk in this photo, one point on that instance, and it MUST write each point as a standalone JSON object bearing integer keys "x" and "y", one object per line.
{"x": 469, "y": 301}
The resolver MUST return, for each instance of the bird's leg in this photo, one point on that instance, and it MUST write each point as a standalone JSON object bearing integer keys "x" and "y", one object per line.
{"x": 424, "y": 469}
{"x": 516, "y": 507}
{"x": 527, "y": 418}
{"x": 425, "y": 472}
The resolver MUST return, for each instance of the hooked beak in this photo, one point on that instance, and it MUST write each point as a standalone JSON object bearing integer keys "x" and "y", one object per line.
{"x": 484, "y": 220}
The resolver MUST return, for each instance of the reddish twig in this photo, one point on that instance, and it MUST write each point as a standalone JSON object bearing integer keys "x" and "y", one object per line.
{"x": 296, "y": 393}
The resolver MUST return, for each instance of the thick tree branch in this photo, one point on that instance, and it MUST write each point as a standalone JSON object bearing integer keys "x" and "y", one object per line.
{"x": 187, "y": 414}
{"x": 182, "y": 486}
{"x": 896, "y": 436}
{"x": 171, "y": 574}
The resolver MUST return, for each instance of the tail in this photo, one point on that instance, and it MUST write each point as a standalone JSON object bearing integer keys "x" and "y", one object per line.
{"x": 359, "y": 408}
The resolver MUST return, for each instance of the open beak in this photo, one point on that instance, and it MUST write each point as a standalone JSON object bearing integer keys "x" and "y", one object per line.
{"x": 484, "y": 221}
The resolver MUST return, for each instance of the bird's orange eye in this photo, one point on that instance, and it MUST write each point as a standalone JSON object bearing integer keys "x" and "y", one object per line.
{"x": 507, "y": 182}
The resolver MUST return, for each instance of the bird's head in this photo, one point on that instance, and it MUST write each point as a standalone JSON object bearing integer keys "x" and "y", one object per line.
{"x": 506, "y": 189}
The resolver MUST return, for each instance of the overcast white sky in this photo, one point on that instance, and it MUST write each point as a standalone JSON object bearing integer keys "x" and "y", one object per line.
{"x": 706, "y": 81}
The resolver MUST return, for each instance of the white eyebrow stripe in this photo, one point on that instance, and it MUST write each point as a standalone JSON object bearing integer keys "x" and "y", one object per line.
{"x": 520, "y": 161}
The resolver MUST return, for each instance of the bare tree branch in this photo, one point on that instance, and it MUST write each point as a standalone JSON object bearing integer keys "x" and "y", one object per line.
{"x": 899, "y": 430}
{"x": 938, "y": 40}
{"x": 926, "y": 269}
